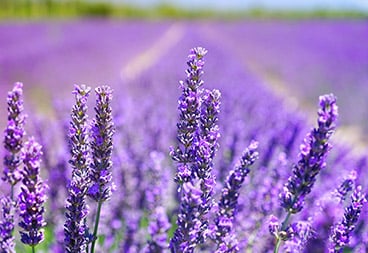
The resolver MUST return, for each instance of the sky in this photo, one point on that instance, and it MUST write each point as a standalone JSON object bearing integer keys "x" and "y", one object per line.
{"x": 275, "y": 4}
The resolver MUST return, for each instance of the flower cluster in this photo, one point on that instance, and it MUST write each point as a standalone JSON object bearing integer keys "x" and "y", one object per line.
{"x": 189, "y": 223}
{"x": 14, "y": 133}
{"x": 189, "y": 114}
{"x": 32, "y": 196}
{"x": 345, "y": 187}
{"x": 7, "y": 226}
{"x": 101, "y": 146}
{"x": 340, "y": 234}
{"x": 313, "y": 153}
{"x": 229, "y": 199}
{"x": 158, "y": 221}
{"x": 299, "y": 233}
{"x": 75, "y": 228}
{"x": 198, "y": 135}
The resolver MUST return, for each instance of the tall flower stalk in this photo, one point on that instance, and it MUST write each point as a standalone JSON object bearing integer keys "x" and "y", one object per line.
{"x": 32, "y": 196}
{"x": 7, "y": 226}
{"x": 227, "y": 206}
{"x": 185, "y": 238}
{"x": 197, "y": 135}
{"x": 75, "y": 228}
{"x": 340, "y": 234}
{"x": 13, "y": 137}
{"x": 101, "y": 146}
{"x": 189, "y": 115}
{"x": 313, "y": 153}
{"x": 159, "y": 224}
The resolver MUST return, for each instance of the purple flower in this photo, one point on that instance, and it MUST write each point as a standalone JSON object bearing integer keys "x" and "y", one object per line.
{"x": 13, "y": 136}
{"x": 340, "y": 234}
{"x": 158, "y": 228}
{"x": 313, "y": 153}
{"x": 189, "y": 110}
{"x": 274, "y": 225}
{"x": 101, "y": 146}
{"x": 301, "y": 233}
{"x": 158, "y": 221}
{"x": 345, "y": 187}
{"x": 75, "y": 228}
{"x": 32, "y": 196}
{"x": 7, "y": 226}
{"x": 230, "y": 194}
{"x": 185, "y": 238}
{"x": 198, "y": 135}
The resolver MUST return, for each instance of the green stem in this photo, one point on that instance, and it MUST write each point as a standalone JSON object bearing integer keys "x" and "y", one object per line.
{"x": 33, "y": 249}
{"x": 96, "y": 226}
{"x": 283, "y": 227}
{"x": 12, "y": 192}
{"x": 277, "y": 246}
{"x": 285, "y": 222}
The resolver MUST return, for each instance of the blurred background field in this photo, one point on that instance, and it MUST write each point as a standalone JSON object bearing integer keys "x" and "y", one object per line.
{"x": 306, "y": 48}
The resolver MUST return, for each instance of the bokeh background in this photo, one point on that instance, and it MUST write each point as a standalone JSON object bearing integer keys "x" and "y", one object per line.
{"x": 300, "y": 48}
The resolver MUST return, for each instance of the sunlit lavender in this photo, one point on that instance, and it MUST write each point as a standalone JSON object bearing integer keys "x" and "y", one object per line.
{"x": 189, "y": 152}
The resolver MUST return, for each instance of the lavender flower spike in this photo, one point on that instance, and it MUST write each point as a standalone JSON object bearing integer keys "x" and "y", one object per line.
{"x": 14, "y": 133}
{"x": 312, "y": 159}
{"x": 229, "y": 200}
{"x": 32, "y": 196}
{"x": 340, "y": 234}
{"x": 189, "y": 114}
{"x": 206, "y": 145}
{"x": 7, "y": 226}
{"x": 159, "y": 224}
{"x": 194, "y": 156}
{"x": 313, "y": 153}
{"x": 75, "y": 229}
{"x": 101, "y": 145}
{"x": 189, "y": 222}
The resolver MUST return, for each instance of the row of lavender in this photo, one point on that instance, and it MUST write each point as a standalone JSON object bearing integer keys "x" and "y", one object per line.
{"x": 310, "y": 57}
{"x": 67, "y": 51}
{"x": 141, "y": 215}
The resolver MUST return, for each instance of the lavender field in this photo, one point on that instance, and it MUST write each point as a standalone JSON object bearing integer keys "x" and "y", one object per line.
{"x": 260, "y": 148}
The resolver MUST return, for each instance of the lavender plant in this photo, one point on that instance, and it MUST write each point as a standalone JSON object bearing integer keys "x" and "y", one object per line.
{"x": 75, "y": 228}
{"x": 227, "y": 206}
{"x": 190, "y": 228}
{"x": 313, "y": 153}
{"x": 189, "y": 115}
{"x": 13, "y": 137}
{"x": 101, "y": 146}
{"x": 7, "y": 243}
{"x": 158, "y": 225}
{"x": 340, "y": 233}
{"x": 32, "y": 196}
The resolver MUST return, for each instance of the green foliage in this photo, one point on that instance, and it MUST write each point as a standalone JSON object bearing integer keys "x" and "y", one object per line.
{"x": 83, "y": 8}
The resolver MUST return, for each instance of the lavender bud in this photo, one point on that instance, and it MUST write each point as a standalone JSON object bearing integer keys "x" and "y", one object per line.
{"x": 340, "y": 234}
{"x": 189, "y": 108}
{"x": 274, "y": 225}
{"x": 75, "y": 229}
{"x": 32, "y": 196}
{"x": 302, "y": 232}
{"x": 189, "y": 224}
{"x": 313, "y": 153}
{"x": 7, "y": 226}
{"x": 101, "y": 145}
{"x": 230, "y": 193}
{"x": 13, "y": 135}
{"x": 345, "y": 187}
